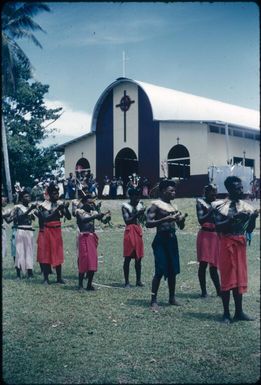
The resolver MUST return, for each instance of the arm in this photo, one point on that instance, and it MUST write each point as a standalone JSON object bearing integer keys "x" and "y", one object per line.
{"x": 181, "y": 220}
{"x": 130, "y": 218}
{"x": 252, "y": 222}
{"x": 91, "y": 218}
{"x": 8, "y": 216}
{"x": 20, "y": 214}
{"x": 51, "y": 216}
{"x": 152, "y": 222}
{"x": 65, "y": 210}
{"x": 203, "y": 217}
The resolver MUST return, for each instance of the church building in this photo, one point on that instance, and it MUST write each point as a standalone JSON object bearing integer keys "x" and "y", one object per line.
{"x": 155, "y": 132}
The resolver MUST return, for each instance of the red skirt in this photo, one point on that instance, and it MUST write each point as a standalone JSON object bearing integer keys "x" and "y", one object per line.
{"x": 88, "y": 258}
{"x": 133, "y": 242}
{"x": 40, "y": 247}
{"x": 53, "y": 244}
{"x": 208, "y": 246}
{"x": 233, "y": 263}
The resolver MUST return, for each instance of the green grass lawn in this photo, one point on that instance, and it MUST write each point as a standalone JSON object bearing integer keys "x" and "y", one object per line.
{"x": 57, "y": 335}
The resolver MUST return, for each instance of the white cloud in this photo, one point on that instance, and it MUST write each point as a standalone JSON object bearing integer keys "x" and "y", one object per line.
{"x": 72, "y": 123}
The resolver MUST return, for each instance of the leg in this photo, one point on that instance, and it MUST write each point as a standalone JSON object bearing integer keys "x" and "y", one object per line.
{"x": 59, "y": 274}
{"x": 202, "y": 278}
{"x": 90, "y": 278}
{"x": 225, "y": 295}
{"x": 138, "y": 272}
{"x": 172, "y": 289}
{"x": 239, "y": 314}
{"x": 155, "y": 288}
{"x": 215, "y": 278}
{"x": 81, "y": 276}
{"x": 46, "y": 268}
{"x": 126, "y": 269}
{"x": 29, "y": 273}
{"x": 41, "y": 267}
{"x": 18, "y": 273}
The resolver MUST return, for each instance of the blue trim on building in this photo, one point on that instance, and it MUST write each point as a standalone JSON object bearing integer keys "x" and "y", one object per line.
{"x": 148, "y": 140}
{"x": 104, "y": 140}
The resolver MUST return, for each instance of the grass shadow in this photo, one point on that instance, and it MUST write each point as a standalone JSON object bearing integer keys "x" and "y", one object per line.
{"x": 114, "y": 284}
{"x": 202, "y": 316}
{"x": 144, "y": 303}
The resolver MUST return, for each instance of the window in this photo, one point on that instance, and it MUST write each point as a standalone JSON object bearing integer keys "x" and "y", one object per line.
{"x": 238, "y": 133}
{"x": 248, "y": 162}
{"x": 249, "y": 135}
{"x": 214, "y": 129}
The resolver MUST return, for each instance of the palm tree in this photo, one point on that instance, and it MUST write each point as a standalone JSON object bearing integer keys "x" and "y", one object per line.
{"x": 17, "y": 23}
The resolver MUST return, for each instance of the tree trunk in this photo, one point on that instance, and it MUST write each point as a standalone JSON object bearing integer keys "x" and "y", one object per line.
{"x": 6, "y": 163}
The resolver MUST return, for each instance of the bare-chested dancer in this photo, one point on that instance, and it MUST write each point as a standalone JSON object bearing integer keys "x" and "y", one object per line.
{"x": 87, "y": 240}
{"x": 52, "y": 211}
{"x": 163, "y": 215}
{"x": 133, "y": 247}
{"x": 207, "y": 240}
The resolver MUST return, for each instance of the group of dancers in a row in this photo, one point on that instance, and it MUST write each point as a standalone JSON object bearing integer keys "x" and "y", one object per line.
{"x": 221, "y": 240}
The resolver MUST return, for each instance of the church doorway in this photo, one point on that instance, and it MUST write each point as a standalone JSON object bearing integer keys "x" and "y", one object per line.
{"x": 178, "y": 162}
{"x": 126, "y": 163}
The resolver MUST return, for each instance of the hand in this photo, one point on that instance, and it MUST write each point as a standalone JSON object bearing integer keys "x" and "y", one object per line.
{"x": 100, "y": 216}
{"x": 241, "y": 215}
{"x": 33, "y": 206}
{"x": 171, "y": 218}
{"x": 255, "y": 213}
{"x": 60, "y": 207}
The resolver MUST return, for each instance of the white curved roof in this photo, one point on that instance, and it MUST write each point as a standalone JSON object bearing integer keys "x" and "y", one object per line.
{"x": 168, "y": 104}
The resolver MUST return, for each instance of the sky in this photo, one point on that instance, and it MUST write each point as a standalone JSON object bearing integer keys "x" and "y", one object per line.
{"x": 206, "y": 49}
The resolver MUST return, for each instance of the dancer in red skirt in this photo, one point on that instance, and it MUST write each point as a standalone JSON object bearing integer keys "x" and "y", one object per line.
{"x": 132, "y": 242}
{"x": 87, "y": 240}
{"x": 52, "y": 211}
{"x": 234, "y": 218}
{"x": 207, "y": 240}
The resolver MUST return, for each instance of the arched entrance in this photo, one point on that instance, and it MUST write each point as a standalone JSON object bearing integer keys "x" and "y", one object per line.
{"x": 179, "y": 162}
{"x": 82, "y": 167}
{"x": 126, "y": 163}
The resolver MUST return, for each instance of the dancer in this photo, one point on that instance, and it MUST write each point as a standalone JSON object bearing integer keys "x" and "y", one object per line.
{"x": 132, "y": 242}
{"x": 6, "y": 216}
{"x": 207, "y": 240}
{"x": 88, "y": 240}
{"x": 52, "y": 211}
{"x": 24, "y": 235}
{"x": 163, "y": 215}
{"x": 233, "y": 218}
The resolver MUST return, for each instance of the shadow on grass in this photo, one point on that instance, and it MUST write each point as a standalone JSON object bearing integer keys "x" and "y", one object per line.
{"x": 195, "y": 296}
{"x": 202, "y": 316}
{"x": 144, "y": 303}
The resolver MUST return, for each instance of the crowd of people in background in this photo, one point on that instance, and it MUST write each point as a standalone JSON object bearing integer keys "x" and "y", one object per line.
{"x": 114, "y": 188}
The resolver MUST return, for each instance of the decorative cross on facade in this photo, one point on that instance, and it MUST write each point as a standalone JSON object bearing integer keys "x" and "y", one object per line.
{"x": 177, "y": 140}
{"x": 124, "y": 105}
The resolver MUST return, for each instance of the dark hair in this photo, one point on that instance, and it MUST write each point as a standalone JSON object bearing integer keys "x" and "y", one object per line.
{"x": 24, "y": 192}
{"x": 52, "y": 187}
{"x": 166, "y": 183}
{"x": 230, "y": 180}
{"x": 85, "y": 197}
{"x": 210, "y": 187}
{"x": 132, "y": 191}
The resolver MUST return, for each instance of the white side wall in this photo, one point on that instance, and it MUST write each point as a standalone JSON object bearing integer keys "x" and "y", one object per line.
{"x": 131, "y": 119}
{"x": 191, "y": 135}
{"x": 73, "y": 152}
{"x": 217, "y": 153}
